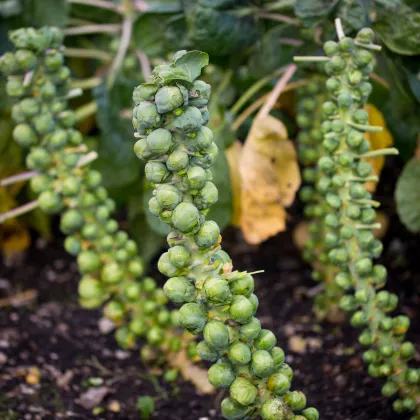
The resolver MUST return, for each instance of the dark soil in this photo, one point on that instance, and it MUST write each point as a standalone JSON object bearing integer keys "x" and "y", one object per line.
{"x": 61, "y": 340}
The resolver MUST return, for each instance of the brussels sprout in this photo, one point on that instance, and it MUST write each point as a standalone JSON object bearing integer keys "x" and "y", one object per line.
{"x": 185, "y": 217}
{"x": 217, "y": 290}
{"x": 141, "y": 150}
{"x": 265, "y": 341}
{"x": 200, "y": 94}
{"x": 262, "y": 363}
{"x": 216, "y": 335}
{"x": 179, "y": 256}
{"x": 177, "y": 161}
{"x": 112, "y": 273}
{"x": 255, "y": 302}
{"x": 296, "y": 400}
{"x": 243, "y": 285}
{"x": 209, "y": 157}
{"x": 71, "y": 221}
{"x": 278, "y": 383}
{"x": 57, "y": 139}
{"x": 53, "y": 60}
{"x": 114, "y": 311}
{"x": 50, "y": 202}
{"x": 147, "y": 115}
{"x": 125, "y": 338}
{"x": 168, "y": 196}
{"x": 243, "y": 391}
{"x": 15, "y": 88}
{"x": 156, "y": 172}
{"x": 251, "y": 330}
{"x": 196, "y": 176}
{"x": 72, "y": 245}
{"x": 145, "y": 92}
{"x": 38, "y": 158}
{"x": 159, "y": 141}
{"x": 274, "y": 409}
{"x": 192, "y": 317}
{"x": 166, "y": 267}
{"x": 311, "y": 413}
{"x": 278, "y": 356}
{"x": 155, "y": 336}
{"x": 179, "y": 290}
{"x": 168, "y": 98}
{"x": 8, "y": 63}
{"x": 90, "y": 288}
{"x": 208, "y": 234}
{"x": 207, "y": 196}
{"x": 239, "y": 353}
{"x": 24, "y": 135}
{"x": 241, "y": 309}
{"x": 88, "y": 262}
{"x": 189, "y": 121}
{"x": 231, "y": 410}
{"x": 221, "y": 374}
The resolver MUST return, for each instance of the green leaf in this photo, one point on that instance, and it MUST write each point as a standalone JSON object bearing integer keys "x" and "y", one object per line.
{"x": 117, "y": 162}
{"x": 400, "y": 32}
{"x": 164, "y": 6}
{"x": 46, "y": 12}
{"x": 354, "y": 14}
{"x": 407, "y": 195}
{"x": 312, "y": 11}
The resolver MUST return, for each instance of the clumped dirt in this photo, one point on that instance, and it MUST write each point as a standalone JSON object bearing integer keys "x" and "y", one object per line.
{"x": 55, "y": 363}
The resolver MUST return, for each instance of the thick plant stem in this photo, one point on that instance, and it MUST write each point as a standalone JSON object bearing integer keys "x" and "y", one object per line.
{"x": 171, "y": 119}
{"x": 17, "y": 178}
{"x": 26, "y": 208}
{"x": 351, "y": 218}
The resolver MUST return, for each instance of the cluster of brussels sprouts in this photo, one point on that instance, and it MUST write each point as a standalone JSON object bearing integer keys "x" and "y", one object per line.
{"x": 348, "y": 225}
{"x": 170, "y": 120}
{"x": 107, "y": 259}
{"x": 310, "y": 139}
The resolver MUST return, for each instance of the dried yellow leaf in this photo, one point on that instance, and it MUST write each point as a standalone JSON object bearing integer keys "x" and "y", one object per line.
{"x": 270, "y": 177}
{"x": 377, "y": 141}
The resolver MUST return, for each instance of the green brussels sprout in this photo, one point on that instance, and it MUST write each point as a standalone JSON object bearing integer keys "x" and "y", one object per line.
{"x": 209, "y": 157}
{"x": 278, "y": 383}
{"x": 207, "y": 196}
{"x": 114, "y": 311}
{"x": 8, "y": 63}
{"x": 262, "y": 363}
{"x": 38, "y": 158}
{"x": 168, "y": 98}
{"x": 243, "y": 391}
{"x": 145, "y": 92}
{"x": 286, "y": 370}
{"x": 250, "y": 330}
{"x": 192, "y": 317}
{"x": 159, "y": 141}
{"x": 155, "y": 336}
{"x": 132, "y": 291}
{"x": 265, "y": 341}
{"x": 185, "y": 217}
{"x": 200, "y": 140}
{"x": 71, "y": 221}
{"x": 166, "y": 267}
{"x": 200, "y": 93}
{"x": 168, "y": 196}
{"x": 231, "y": 410}
{"x": 90, "y": 288}
{"x": 156, "y": 172}
{"x": 112, "y": 273}
{"x": 50, "y": 202}
{"x": 70, "y": 186}
{"x": 189, "y": 121}
{"x": 196, "y": 176}
{"x": 208, "y": 234}
{"x": 221, "y": 374}
{"x": 179, "y": 290}
{"x": 274, "y": 409}
{"x": 241, "y": 309}
{"x": 147, "y": 115}
{"x": 24, "y": 135}
{"x": 242, "y": 285}
{"x": 125, "y": 338}
{"x": 177, "y": 161}
{"x": 72, "y": 245}
{"x": 88, "y": 262}
{"x": 154, "y": 207}
{"x": 15, "y": 88}
{"x": 278, "y": 356}
{"x": 310, "y": 413}
{"x": 141, "y": 150}
{"x": 53, "y": 60}
{"x": 217, "y": 290}
{"x": 44, "y": 124}
{"x": 179, "y": 256}
{"x": 296, "y": 400}
{"x": 57, "y": 139}
{"x": 239, "y": 353}
{"x": 216, "y": 335}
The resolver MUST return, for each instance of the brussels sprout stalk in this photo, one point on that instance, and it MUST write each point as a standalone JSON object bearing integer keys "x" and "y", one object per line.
{"x": 170, "y": 114}
{"x": 351, "y": 217}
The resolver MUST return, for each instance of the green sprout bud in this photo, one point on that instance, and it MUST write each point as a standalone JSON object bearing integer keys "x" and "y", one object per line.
{"x": 251, "y": 330}
{"x": 112, "y": 273}
{"x": 296, "y": 400}
{"x": 231, "y": 410}
{"x": 166, "y": 267}
{"x": 274, "y": 409}
{"x": 179, "y": 290}
{"x": 243, "y": 391}
{"x": 262, "y": 363}
{"x": 24, "y": 135}
{"x": 216, "y": 335}
{"x": 155, "y": 336}
{"x": 147, "y": 115}
{"x": 159, "y": 141}
{"x": 50, "y": 202}
{"x": 196, "y": 177}
{"x": 177, "y": 161}
{"x": 407, "y": 350}
{"x": 202, "y": 140}
{"x": 241, "y": 309}
{"x": 179, "y": 256}
{"x": 185, "y": 217}
{"x": 168, "y": 98}
{"x": 90, "y": 288}
{"x": 200, "y": 94}
{"x": 244, "y": 285}
{"x": 217, "y": 290}
{"x": 168, "y": 196}
{"x": 189, "y": 121}
{"x": 125, "y": 338}
{"x": 221, "y": 374}
{"x": 265, "y": 341}
{"x": 71, "y": 221}
{"x": 114, "y": 311}
{"x": 239, "y": 353}
{"x": 156, "y": 172}
{"x": 278, "y": 383}
{"x": 207, "y": 196}
{"x": 88, "y": 262}
{"x": 73, "y": 245}
{"x": 145, "y": 92}
{"x": 206, "y": 352}
{"x": 192, "y": 317}
{"x": 208, "y": 234}
{"x": 310, "y": 413}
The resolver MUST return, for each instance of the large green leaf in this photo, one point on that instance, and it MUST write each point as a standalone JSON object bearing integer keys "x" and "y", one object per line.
{"x": 400, "y": 32}
{"x": 46, "y": 12}
{"x": 164, "y": 6}
{"x": 407, "y": 195}
{"x": 313, "y": 11}
{"x": 117, "y": 162}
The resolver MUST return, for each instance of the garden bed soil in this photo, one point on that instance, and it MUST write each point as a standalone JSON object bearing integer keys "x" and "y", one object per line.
{"x": 52, "y": 352}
